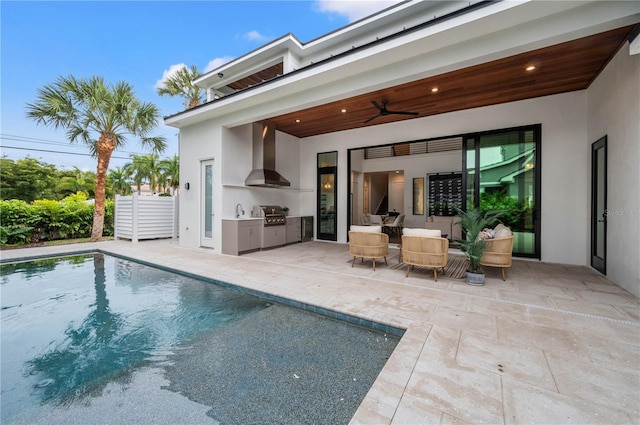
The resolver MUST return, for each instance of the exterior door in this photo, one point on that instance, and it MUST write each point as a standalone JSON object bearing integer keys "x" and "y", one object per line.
{"x": 327, "y": 196}
{"x": 206, "y": 197}
{"x": 599, "y": 205}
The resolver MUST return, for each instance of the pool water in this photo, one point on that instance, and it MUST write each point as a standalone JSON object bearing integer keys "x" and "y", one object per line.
{"x": 71, "y": 326}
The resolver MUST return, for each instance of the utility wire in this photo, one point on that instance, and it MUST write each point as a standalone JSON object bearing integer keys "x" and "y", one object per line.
{"x": 16, "y": 138}
{"x": 50, "y": 151}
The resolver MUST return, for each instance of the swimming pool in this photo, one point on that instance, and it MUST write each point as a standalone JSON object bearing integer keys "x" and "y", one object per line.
{"x": 73, "y": 326}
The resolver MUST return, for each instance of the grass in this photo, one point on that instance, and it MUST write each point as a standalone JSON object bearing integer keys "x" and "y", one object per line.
{"x": 54, "y": 243}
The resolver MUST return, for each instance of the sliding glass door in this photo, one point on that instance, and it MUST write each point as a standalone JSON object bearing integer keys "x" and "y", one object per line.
{"x": 502, "y": 172}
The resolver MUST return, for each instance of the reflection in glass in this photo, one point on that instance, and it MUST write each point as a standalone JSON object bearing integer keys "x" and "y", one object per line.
{"x": 208, "y": 201}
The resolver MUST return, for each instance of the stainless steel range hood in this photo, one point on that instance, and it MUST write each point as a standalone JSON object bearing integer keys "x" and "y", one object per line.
{"x": 264, "y": 157}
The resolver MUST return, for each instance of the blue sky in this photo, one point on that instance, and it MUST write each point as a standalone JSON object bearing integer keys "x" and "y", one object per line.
{"x": 137, "y": 42}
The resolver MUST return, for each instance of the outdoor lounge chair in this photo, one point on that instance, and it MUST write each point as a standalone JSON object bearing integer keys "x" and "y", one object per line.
{"x": 368, "y": 242}
{"x": 375, "y": 220}
{"x": 421, "y": 247}
{"x": 498, "y": 253}
{"x": 395, "y": 227}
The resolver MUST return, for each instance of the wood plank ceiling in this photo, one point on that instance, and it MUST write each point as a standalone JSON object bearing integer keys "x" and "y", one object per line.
{"x": 558, "y": 69}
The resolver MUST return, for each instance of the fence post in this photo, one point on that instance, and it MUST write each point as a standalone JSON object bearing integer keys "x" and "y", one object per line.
{"x": 115, "y": 217}
{"x": 134, "y": 216}
{"x": 176, "y": 209}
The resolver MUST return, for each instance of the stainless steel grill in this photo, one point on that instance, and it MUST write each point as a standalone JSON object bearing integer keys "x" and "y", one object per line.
{"x": 273, "y": 214}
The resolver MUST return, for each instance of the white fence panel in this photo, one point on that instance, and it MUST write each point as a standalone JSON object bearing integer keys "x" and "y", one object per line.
{"x": 146, "y": 217}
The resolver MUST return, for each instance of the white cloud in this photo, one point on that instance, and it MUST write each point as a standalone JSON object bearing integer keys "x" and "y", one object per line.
{"x": 255, "y": 36}
{"x": 353, "y": 9}
{"x": 168, "y": 73}
{"x": 215, "y": 63}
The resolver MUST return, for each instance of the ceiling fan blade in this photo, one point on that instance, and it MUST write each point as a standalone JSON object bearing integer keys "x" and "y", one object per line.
{"x": 403, "y": 113}
{"x": 373, "y": 118}
{"x": 377, "y": 105}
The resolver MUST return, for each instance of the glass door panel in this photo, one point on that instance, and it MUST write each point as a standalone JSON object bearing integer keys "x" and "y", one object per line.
{"x": 501, "y": 175}
{"x": 206, "y": 238}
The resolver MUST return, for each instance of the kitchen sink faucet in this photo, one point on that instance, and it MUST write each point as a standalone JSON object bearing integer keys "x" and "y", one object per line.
{"x": 241, "y": 210}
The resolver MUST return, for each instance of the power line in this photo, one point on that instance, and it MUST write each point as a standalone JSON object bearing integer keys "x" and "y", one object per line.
{"x": 50, "y": 151}
{"x": 16, "y": 138}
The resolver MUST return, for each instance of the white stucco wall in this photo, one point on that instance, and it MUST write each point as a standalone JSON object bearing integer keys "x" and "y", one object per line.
{"x": 570, "y": 123}
{"x": 614, "y": 111}
{"x": 565, "y": 167}
{"x": 202, "y": 143}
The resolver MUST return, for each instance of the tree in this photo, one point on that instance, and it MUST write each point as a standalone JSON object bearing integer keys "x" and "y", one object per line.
{"x": 27, "y": 179}
{"x": 119, "y": 182}
{"x": 101, "y": 116}
{"x": 144, "y": 168}
{"x": 181, "y": 84}
{"x": 76, "y": 180}
{"x": 171, "y": 172}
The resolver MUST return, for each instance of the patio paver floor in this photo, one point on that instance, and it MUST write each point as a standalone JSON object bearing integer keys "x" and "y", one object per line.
{"x": 553, "y": 344}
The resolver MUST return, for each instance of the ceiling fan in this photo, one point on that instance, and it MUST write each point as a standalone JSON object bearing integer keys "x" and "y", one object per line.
{"x": 384, "y": 111}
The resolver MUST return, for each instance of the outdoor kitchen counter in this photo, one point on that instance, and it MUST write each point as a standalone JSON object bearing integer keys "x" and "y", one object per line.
{"x": 246, "y": 234}
{"x": 241, "y": 235}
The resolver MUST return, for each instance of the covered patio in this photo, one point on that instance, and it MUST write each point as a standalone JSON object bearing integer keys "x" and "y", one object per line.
{"x": 553, "y": 344}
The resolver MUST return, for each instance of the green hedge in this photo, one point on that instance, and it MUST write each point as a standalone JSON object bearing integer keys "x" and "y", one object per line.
{"x": 46, "y": 220}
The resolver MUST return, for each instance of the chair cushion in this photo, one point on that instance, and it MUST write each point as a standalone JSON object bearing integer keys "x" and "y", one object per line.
{"x": 422, "y": 232}
{"x": 366, "y": 229}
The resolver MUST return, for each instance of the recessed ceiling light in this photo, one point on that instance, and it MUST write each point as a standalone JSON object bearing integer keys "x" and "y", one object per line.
{"x": 434, "y": 90}
{"x": 531, "y": 68}
{"x": 297, "y": 120}
{"x": 343, "y": 111}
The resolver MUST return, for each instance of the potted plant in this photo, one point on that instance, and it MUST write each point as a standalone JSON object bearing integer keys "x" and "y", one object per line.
{"x": 473, "y": 224}
{"x": 285, "y": 210}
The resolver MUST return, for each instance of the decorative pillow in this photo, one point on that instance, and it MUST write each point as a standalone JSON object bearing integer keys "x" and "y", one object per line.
{"x": 487, "y": 234}
{"x": 367, "y": 229}
{"x": 434, "y": 233}
{"x": 502, "y": 231}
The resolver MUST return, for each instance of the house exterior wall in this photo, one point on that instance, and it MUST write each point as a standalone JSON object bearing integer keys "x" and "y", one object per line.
{"x": 203, "y": 143}
{"x": 565, "y": 189}
{"x": 614, "y": 111}
{"x": 570, "y": 122}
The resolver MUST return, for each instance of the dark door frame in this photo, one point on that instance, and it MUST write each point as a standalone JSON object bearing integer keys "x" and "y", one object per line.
{"x": 537, "y": 131}
{"x": 322, "y": 171}
{"x": 599, "y": 218}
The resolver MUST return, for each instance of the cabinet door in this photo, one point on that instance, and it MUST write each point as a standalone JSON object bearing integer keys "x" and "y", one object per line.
{"x": 274, "y": 236}
{"x": 281, "y": 235}
{"x": 293, "y": 230}
{"x": 256, "y": 236}
{"x": 245, "y": 238}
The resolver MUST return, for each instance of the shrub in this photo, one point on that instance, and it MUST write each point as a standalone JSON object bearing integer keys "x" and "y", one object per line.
{"x": 50, "y": 220}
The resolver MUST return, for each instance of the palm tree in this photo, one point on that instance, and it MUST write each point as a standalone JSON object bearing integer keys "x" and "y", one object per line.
{"x": 171, "y": 172}
{"x": 181, "y": 84}
{"x": 101, "y": 116}
{"x": 76, "y": 180}
{"x": 145, "y": 168}
{"x": 119, "y": 181}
